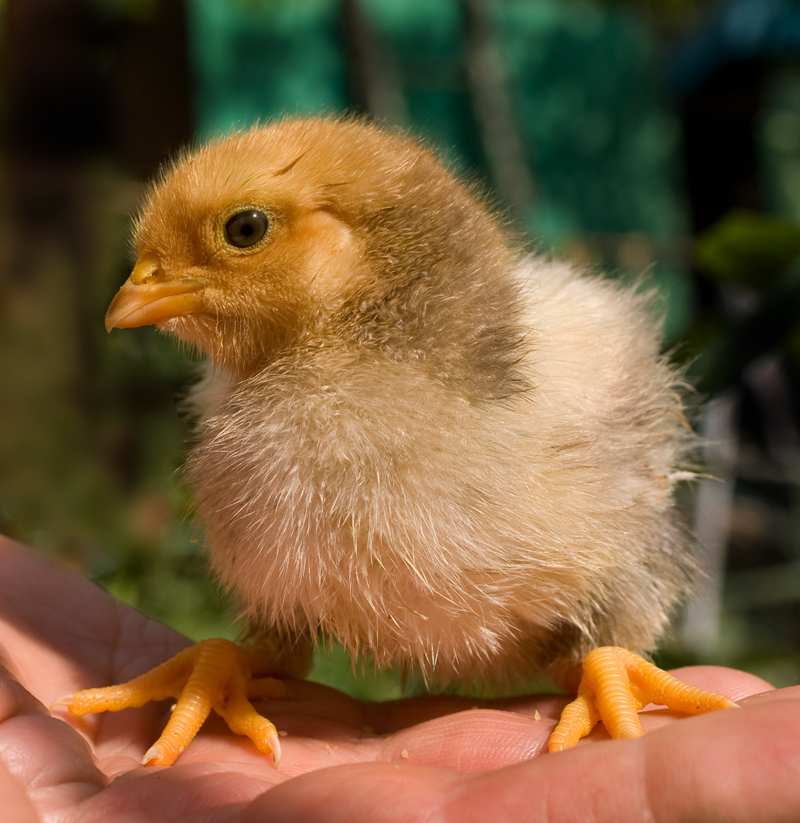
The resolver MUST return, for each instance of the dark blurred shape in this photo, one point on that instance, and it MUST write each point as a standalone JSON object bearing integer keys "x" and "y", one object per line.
{"x": 720, "y": 117}
{"x": 82, "y": 81}
{"x": 487, "y": 80}
{"x": 734, "y": 32}
{"x": 150, "y": 87}
{"x": 759, "y": 332}
{"x": 96, "y": 98}
{"x": 372, "y": 76}
{"x": 53, "y": 88}
{"x": 718, "y": 70}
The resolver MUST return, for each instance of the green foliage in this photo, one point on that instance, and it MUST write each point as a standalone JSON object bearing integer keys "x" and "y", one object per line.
{"x": 748, "y": 248}
{"x": 358, "y": 678}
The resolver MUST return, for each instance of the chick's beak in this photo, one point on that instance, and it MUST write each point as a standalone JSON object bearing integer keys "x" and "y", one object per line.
{"x": 148, "y": 296}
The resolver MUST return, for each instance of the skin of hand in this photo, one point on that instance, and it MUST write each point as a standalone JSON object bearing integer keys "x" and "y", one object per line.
{"x": 414, "y": 759}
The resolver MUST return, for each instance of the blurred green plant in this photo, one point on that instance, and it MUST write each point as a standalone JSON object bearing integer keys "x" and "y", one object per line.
{"x": 757, "y": 253}
{"x": 748, "y": 248}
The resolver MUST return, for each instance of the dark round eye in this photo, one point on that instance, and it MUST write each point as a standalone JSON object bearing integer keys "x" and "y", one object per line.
{"x": 246, "y": 228}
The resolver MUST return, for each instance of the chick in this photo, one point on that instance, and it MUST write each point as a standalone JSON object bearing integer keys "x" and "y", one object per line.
{"x": 414, "y": 438}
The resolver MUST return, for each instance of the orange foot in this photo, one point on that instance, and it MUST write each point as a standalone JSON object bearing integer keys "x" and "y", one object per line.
{"x": 213, "y": 674}
{"x": 617, "y": 683}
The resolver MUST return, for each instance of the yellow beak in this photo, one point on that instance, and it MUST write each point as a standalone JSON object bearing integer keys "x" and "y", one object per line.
{"x": 146, "y": 297}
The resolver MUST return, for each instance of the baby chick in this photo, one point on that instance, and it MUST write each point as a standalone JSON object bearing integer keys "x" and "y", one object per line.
{"x": 414, "y": 439}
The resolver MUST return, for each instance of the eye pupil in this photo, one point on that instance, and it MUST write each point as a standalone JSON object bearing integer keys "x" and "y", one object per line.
{"x": 246, "y": 228}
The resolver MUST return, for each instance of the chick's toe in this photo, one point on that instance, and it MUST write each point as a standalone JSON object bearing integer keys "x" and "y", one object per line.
{"x": 616, "y": 683}
{"x": 212, "y": 674}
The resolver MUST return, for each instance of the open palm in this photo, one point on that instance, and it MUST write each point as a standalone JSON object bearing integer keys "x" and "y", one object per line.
{"x": 343, "y": 759}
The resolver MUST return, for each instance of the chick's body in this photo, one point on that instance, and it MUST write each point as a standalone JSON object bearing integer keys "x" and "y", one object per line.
{"x": 415, "y": 440}
{"x": 352, "y": 493}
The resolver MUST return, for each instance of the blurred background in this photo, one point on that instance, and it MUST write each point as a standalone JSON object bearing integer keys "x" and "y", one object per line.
{"x": 655, "y": 137}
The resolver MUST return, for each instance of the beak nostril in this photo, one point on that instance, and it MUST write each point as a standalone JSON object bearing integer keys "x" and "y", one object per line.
{"x": 147, "y": 270}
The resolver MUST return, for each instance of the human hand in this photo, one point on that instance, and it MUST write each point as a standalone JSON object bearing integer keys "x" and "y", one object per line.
{"x": 412, "y": 759}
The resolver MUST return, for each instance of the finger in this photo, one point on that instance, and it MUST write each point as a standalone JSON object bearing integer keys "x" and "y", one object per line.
{"x": 733, "y": 766}
{"x": 729, "y": 765}
{"x": 49, "y": 762}
{"x": 47, "y": 773}
{"x": 380, "y": 793}
{"x": 470, "y": 741}
{"x": 16, "y": 805}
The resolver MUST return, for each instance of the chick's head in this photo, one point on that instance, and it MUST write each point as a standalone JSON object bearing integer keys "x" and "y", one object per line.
{"x": 249, "y": 242}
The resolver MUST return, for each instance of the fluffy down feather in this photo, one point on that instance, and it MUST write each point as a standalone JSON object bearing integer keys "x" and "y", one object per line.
{"x": 415, "y": 438}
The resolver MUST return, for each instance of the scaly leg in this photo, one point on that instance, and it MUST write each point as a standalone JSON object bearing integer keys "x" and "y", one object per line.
{"x": 616, "y": 683}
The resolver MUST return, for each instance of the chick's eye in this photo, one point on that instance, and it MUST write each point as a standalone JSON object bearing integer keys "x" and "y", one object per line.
{"x": 246, "y": 228}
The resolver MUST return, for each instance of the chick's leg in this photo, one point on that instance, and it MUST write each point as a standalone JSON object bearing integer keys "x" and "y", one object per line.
{"x": 213, "y": 674}
{"x": 616, "y": 683}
